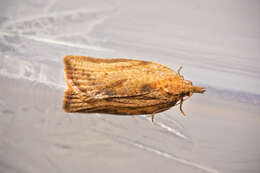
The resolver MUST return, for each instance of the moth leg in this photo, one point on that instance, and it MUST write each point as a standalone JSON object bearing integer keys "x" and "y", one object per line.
{"x": 160, "y": 110}
{"x": 153, "y": 118}
{"x": 181, "y": 107}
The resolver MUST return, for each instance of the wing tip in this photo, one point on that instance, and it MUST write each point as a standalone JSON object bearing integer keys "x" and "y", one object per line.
{"x": 67, "y": 58}
{"x": 66, "y": 101}
{"x": 68, "y": 69}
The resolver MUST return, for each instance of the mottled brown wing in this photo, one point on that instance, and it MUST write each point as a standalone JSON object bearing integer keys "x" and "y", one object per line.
{"x": 127, "y": 83}
{"x": 128, "y": 105}
{"x": 102, "y": 78}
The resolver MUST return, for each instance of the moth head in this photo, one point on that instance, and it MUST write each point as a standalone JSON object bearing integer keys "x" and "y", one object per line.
{"x": 176, "y": 86}
{"x": 194, "y": 89}
{"x": 188, "y": 88}
{"x": 181, "y": 87}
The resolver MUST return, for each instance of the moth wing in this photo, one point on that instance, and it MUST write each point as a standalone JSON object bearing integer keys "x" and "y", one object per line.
{"x": 96, "y": 78}
{"x": 72, "y": 101}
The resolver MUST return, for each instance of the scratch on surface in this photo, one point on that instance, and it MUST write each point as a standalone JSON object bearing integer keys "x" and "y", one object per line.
{"x": 171, "y": 120}
{"x": 46, "y": 83}
{"x": 57, "y": 42}
{"x": 158, "y": 152}
{"x": 50, "y": 162}
{"x": 57, "y": 14}
{"x": 169, "y": 129}
{"x": 172, "y": 157}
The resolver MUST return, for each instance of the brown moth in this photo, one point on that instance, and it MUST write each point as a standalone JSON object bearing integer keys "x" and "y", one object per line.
{"x": 123, "y": 86}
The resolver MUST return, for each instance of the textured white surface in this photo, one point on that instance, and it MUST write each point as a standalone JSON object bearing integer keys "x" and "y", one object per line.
{"x": 217, "y": 42}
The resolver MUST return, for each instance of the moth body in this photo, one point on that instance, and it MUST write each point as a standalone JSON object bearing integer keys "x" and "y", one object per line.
{"x": 122, "y": 86}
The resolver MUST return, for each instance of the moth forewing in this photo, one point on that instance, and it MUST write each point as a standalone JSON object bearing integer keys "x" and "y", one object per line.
{"x": 122, "y": 86}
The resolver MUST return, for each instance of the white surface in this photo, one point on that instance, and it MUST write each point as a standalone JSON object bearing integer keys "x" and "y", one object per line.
{"x": 217, "y": 42}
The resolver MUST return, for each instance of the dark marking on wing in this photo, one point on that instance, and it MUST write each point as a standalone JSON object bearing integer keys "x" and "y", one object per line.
{"x": 109, "y": 92}
{"x": 117, "y": 83}
{"x": 144, "y": 63}
{"x": 146, "y": 88}
{"x": 67, "y": 65}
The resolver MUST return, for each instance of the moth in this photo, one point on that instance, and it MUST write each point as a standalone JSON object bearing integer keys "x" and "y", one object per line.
{"x": 123, "y": 86}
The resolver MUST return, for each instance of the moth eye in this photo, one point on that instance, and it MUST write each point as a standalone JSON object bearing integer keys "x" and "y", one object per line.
{"x": 188, "y": 82}
{"x": 146, "y": 87}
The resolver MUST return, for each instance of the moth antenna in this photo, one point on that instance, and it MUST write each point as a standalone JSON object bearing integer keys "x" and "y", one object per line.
{"x": 179, "y": 72}
{"x": 183, "y": 99}
{"x": 181, "y": 107}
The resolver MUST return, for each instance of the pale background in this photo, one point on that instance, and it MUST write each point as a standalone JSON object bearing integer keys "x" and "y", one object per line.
{"x": 217, "y": 42}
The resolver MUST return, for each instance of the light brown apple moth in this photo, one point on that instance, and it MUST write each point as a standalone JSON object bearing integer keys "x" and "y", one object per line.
{"x": 123, "y": 86}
